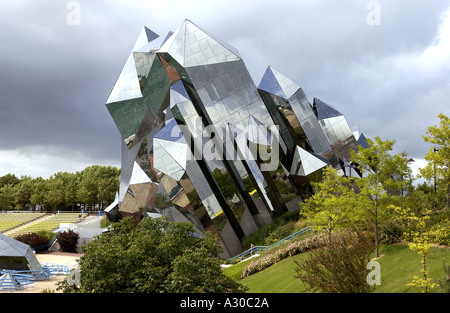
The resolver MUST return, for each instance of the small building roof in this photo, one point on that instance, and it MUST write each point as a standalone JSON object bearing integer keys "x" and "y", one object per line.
{"x": 11, "y": 247}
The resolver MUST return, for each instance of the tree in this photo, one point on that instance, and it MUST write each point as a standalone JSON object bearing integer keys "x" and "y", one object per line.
{"x": 340, "y": 266}
{"x": 108, "y": 183}
{"x": 156, "y": 256}
{"x": 23, "y": 194}
{"x": 62, "y": 189}
{"x": 419, "y": 240}
{"x": 384, "y": 177}
{"x": 98, "y": 183}
{"x": 55, "y": 192}
{"x": 7, "y": 196}
{"x": 9, "y": 179}
{"x": 71, "y": 181}
{"x": 88, "y": 186}
{"x": 334, "y": 204}
{"x": 438, "y": 156}
{"x": 38, "y": 190}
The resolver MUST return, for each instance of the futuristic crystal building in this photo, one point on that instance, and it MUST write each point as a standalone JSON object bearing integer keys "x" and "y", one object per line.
{"x": 202, "y": 143}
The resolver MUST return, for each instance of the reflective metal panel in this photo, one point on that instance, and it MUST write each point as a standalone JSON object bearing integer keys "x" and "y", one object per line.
{"x": 197, "y": 142}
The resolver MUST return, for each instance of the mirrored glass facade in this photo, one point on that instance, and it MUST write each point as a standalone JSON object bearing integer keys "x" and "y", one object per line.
{"x": 202, "y": 143}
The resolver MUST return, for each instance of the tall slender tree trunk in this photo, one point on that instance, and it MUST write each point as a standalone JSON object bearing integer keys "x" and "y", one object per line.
{"x": 424, "y": 272}
{"x": 377, "y": 249}
{"x": 424, "y": 264}
{"x": 448, "y": 197}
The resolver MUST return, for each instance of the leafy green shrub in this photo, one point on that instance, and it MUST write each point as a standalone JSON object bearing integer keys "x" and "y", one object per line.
{"x": 439, "y": 233}
{"x": 47, "y": 234}
{"x": 104, "y": 222}
{"x": 280, "y": 232}
{"x": 390, "y": 232}
{"x": 260, "y": 237}
{"x": 157, "y": 256}
{"x": 340, "y": 267}
{"x": 68, "y": 240}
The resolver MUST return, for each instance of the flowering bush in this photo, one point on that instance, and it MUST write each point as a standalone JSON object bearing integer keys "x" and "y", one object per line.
{"x": 439, "y": 233}
{"x": 291, "y": 249}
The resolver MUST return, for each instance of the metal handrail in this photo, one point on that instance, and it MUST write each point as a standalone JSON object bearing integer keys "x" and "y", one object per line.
{"x": 43, "y": 274}
{"x": 266, "y": 248}
{"x": 54, "y": 268}
{"x": 23, "y": 279}
{"x": 14, "y": 284}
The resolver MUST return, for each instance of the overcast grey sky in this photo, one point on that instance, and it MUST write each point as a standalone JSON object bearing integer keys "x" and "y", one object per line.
{"x": 384, "y": 64}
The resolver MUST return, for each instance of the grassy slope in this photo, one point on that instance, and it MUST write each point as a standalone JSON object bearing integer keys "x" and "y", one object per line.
{"x": 398, "y": 266}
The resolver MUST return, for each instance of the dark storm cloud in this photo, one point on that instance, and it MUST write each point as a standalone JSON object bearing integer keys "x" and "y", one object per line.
{"x": 55, "y": 78}
{"x": 54, "y": 81}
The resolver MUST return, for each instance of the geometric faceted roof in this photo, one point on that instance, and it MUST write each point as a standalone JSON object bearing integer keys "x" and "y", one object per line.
{"x": 191, "y": 46}
{"x": 127, "y": 85}
{"x": 191, "y": 119}
{"x": 10, "y": 247}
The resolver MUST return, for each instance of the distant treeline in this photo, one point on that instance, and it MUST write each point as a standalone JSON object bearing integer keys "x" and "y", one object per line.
{"x": 61, "y": 191}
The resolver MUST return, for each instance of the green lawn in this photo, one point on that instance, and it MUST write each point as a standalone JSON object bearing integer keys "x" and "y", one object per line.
{"x": 398, "y": 266}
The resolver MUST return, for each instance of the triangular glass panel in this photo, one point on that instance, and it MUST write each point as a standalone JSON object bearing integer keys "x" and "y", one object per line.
{"x": 191, "y": 46}
{"x": 202, "y": 49}
{"x": 277, "y": 84}
{"x": 126, "y": 171}
{"x": 178, "y": 94}
{"x": 169, "y": 34}
{"x": 270, "y": 84}
{"x": 143, "y": 62}
{"x": 129, "y": 204}
{"x": 127, "y": 85}
{"x": 167, "y": 163}
{"x": 174, "y": 45}
{"x": 324, "y": 110}
{"x": 258, "y": 132}
{"x": 362, "y": 141}
{"x": 171, "y": 132}
{"x": 145, "y": 36}
{"x": 138, "y": 176}
{"x": 234, "y": 130}
{"x": 306, "y": 162}
{"x": 287, "y": 85}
